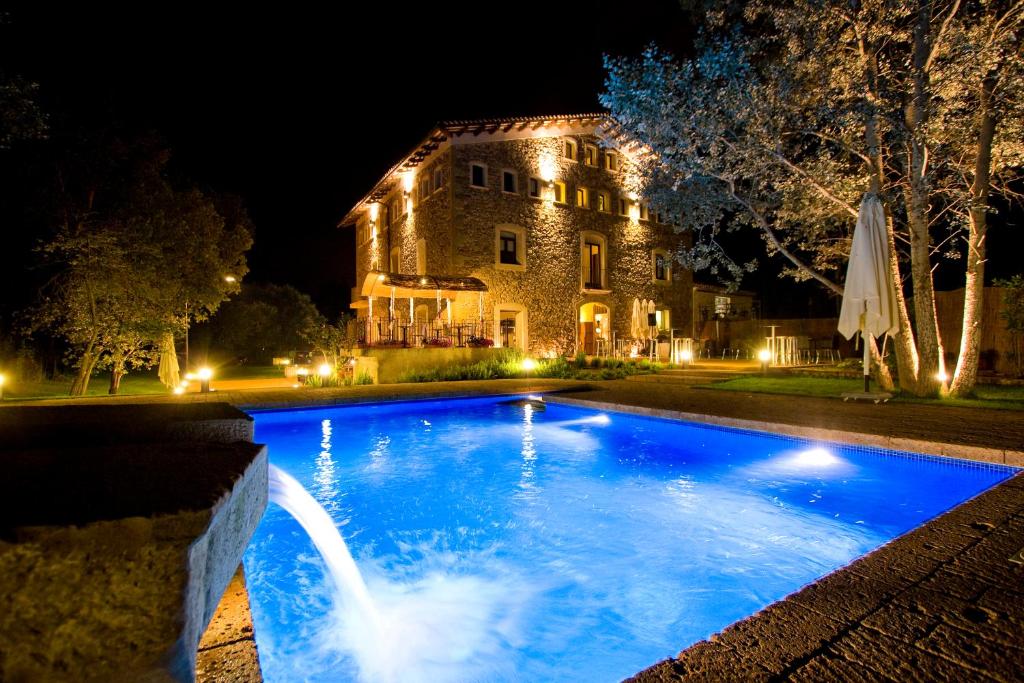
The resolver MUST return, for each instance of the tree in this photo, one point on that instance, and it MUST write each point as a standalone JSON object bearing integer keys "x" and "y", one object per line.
{"x": 264, "y": 321}
{"x": 129, "y": 253}
{"x": 783, "y": 127}
{"x": 334, "y": 341}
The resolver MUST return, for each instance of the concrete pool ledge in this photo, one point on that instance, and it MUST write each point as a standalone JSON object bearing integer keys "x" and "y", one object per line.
{"x": 942, "y": 602}
{"x": 998, "y": 456}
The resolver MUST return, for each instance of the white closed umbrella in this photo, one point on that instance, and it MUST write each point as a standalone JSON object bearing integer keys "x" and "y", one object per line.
{"x": 634, "y": 322}
{"x": 869, "y": 296}
{"x": 168, "y": 371}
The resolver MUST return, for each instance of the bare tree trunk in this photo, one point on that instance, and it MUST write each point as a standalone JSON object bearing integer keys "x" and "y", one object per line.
{"x": 929, "y": 346}
{"x": 905, "y": 348}
{"x": 80, "y": 384}
{"x": 115, "y": 381}
{"x": 974, "y": 286}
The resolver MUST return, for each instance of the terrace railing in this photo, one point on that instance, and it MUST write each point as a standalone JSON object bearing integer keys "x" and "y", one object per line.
{"x": 381, "y": 332}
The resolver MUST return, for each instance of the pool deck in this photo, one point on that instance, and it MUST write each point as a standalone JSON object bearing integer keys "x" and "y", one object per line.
{"x": 943, "y": 602}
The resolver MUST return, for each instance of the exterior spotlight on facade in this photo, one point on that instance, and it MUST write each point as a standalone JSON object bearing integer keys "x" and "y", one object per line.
{"x": 547, "y": 170}
{"x": 324, "y": 370}
{"x": 230, "y": 278}
{"x": 204, "y": 379}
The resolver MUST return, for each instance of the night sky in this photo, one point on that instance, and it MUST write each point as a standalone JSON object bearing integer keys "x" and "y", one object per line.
{"x": 301, "y": 112}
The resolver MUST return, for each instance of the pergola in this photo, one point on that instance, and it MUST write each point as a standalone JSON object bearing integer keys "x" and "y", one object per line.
{"x": 402, "y": 286}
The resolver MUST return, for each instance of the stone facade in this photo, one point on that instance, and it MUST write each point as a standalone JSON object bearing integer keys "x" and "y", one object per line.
{"x": 452, "y": 227}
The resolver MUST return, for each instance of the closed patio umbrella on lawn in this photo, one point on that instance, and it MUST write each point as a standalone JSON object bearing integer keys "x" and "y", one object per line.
{"x": 168, "y": 370}
{"x": 869, "y": 296}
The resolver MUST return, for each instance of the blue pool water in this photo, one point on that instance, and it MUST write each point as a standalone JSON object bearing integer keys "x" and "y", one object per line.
{"x": 503, "y": 542}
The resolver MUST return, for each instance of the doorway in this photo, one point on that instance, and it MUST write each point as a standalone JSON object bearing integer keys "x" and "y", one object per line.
{"x": 595, "y": 322}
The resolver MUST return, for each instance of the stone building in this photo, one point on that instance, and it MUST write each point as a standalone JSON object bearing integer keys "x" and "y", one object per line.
{"x": 518, "y": 230}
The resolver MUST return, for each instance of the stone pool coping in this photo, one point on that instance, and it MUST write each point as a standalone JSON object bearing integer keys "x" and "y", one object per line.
{"x": 941, "y": 602}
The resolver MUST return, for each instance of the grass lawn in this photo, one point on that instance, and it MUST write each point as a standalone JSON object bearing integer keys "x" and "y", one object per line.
{"x": 986, "y": 395}
{"x": 135, "y": 383}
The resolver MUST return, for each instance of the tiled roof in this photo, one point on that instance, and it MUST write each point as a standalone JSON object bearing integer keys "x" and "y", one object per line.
{"x": 445, "y": 130}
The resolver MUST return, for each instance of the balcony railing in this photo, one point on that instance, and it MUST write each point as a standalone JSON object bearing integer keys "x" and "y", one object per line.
{"x": 381, "y": 332}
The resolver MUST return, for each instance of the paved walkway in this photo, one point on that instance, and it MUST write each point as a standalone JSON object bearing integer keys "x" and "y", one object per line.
{"x": 944, "y": 602}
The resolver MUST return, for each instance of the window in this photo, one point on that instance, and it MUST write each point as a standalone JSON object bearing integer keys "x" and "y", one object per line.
{"x": 590, "y": 155}
{"x": 604, "y": 202}
{"x": 509, "y": 247}
{"x": 424, "y": 187}
{"x": 397, "y": 209}
{"x": 363, "y": 233}
{"x": 593, "y": 261}
{"x": 663, "y": 318}
{"x": 477, "y": 175}
{"x": 611, "y": 161}
{"x": 533, "y": 188}
{"x": 623, "y": 207}
{"x": 396, "y": 260}
{"x": 509, "y": 182}
{"x": 583, "y": 197}
{"x": 661, "y": 266}
{"x": 644, "y": 212}
{"x": 438, "y": 179}
{"x": 723, "y": 305}
{"x": 569, "y": 150}
{"x": 559, "y": 191}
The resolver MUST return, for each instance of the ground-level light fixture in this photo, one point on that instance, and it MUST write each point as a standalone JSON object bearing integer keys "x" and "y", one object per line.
{"x": 180, "y": 389}
{"x": 941, "y": 376}
{"x": 764, "y": 355}
{"x": 204, "y": 379}
{"x": 230, "y": 278}
{"x": 686, "y": 356}
{"x": 529, "y": 364}
{"x": 324, "y": 370}
{"x": 2, "y": 378}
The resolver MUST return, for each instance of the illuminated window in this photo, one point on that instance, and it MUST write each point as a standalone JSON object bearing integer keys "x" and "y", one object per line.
{"x": 569, "y": 150}
{"x": 723, "y": 305}
{"x": 604, "y": 202}
{"x": 661, "y": 266}
{"x": 583, "y": 197}
{"x": 509, "y": 182}
{"x": 590, "y": 155}
{"x": 534, "y": 187}
{"x": 592, "y": 263}
{"x": 559, "y": 191}
{"x": 438, "y": 179}
{"x": 611, "y": 161}
{"x": 509, "y": 247}
{"x": 663, "y": 318}
{"x": 477, "y": 175}
{"x": 623, "y": 207}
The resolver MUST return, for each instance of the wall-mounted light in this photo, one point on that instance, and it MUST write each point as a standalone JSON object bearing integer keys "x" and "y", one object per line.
{"x": 547, "y": 169}
{"x": 407, "y": 182}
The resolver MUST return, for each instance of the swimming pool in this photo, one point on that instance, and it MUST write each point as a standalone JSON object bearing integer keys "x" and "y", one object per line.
{"x": 526, "y": 541}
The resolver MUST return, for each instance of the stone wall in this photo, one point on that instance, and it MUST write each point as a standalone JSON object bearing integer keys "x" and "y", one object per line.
{"x": 550, "y": 286}
{"x": 458, "y": 224}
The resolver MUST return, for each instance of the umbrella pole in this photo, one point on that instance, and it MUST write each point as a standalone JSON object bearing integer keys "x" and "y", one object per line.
{"x": 867, "y": 362}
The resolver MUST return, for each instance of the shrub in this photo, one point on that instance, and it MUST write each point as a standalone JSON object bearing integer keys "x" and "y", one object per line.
{"x": 581, "y": 360}
{"x": 480, "y": 342}
{"x": 363, "y": 378}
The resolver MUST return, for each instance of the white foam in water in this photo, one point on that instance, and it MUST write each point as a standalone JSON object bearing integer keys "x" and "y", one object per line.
{"x": 440, "y": 626}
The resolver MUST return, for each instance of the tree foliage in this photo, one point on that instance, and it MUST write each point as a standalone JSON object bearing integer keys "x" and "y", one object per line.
{"x": 789, "y": 112}
{"x": 130, "y": 253}
{"x": 264, "y": 321}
